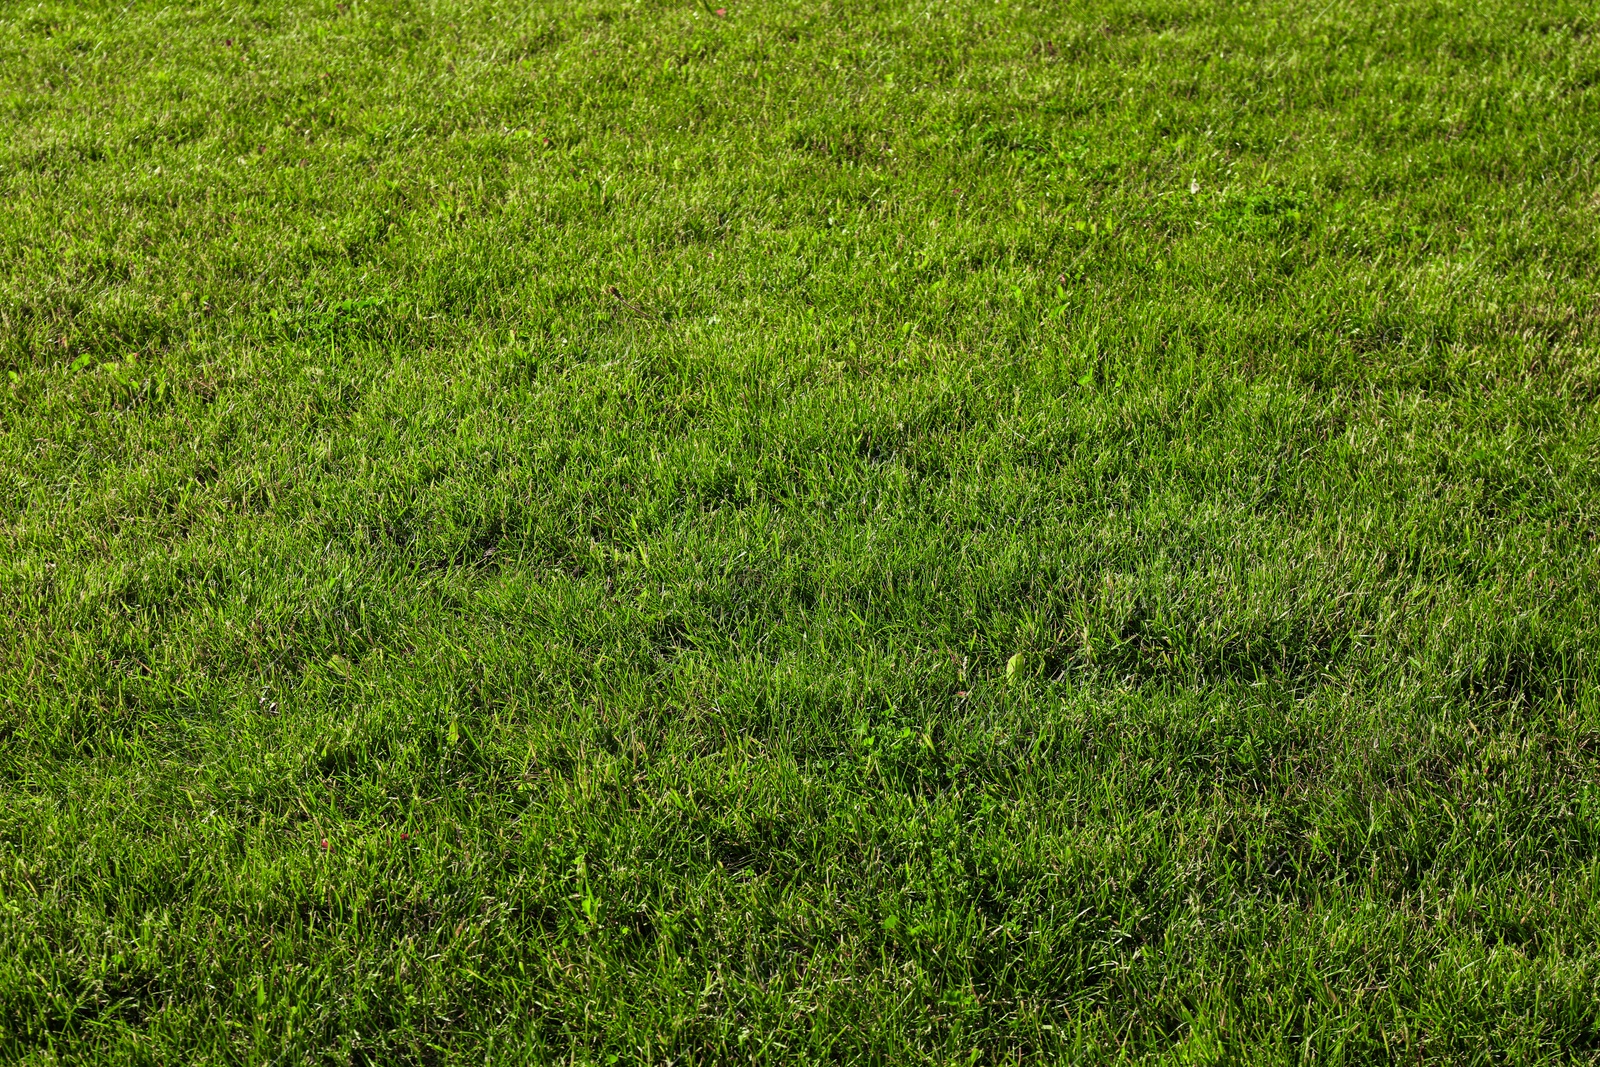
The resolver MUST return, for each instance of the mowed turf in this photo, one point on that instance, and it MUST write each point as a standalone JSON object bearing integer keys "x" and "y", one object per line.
{"x": 867, "y": 532}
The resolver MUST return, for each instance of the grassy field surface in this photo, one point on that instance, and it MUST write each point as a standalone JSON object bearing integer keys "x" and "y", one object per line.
{"x": 881, "y": 532}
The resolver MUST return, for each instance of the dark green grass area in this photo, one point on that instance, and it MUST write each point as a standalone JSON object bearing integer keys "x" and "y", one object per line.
{"x": 857, "y": 533}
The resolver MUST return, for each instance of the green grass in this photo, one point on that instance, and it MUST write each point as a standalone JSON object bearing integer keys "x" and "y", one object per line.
{"x": 868, "y": 533}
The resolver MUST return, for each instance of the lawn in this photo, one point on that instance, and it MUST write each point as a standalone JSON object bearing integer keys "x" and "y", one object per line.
{"x": 863, "y": 533}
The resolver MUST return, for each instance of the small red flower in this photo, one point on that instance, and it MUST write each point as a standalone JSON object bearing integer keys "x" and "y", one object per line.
{"x": 405, "y": 837}
{"x": 722, "y": 12}
{"x": 324, "y": 842}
